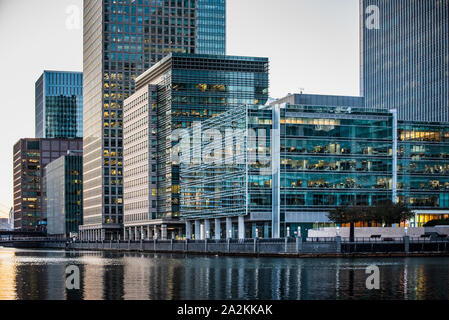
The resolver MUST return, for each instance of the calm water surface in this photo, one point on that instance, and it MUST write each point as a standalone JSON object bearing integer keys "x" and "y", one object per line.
{"x": 40, "y": 274}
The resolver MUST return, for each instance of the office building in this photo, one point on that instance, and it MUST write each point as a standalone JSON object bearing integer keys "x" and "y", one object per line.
{"x": 321, "y": 100}
{"x": 59, "y": 105}
{"x": 404, "y": 55}
{"x": 30, "y": 158}
{"x": 64, "y": 189}
{"x": 285, "y": 167}
{"x": 121, "y": 41}
{"x": 423, "y": 170}
{"x": 171, "y": 96}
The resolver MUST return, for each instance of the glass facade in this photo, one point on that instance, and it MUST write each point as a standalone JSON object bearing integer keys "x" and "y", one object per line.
{"x": 216, "y": 189}
{"x": 211, "y": 27}
{"x": 195, "y": 88}
{"x": 319, "y": 159}
{"x": 59, "y": 105}
{"x": 122, "y": 39}
{"x": 404, "y": 63}
{"x": 186, "y": 89}
{"x": 423, "y": 168}
{"x": 64, "y": 195}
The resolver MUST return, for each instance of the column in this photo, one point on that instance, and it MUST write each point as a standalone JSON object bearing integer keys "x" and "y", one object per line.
{"x": 202, "y": 231}
{"x": 228, "y": 228}
{"x": 130, "y": 234}
{"x": 197, "y": 230}
{"x": 338, "y": 240}
{"x": 266, "y": 231}
{"x": 207, "y": 228}
{"x": 164, "y": 232}
{"x": 150, "y": 233}
{"x": 136, "y": 234}
{"x": 125, "y": 231}
{"x": 406, "y": 244}
{"x": 217, "y": 229}
{"x": 188, "y": 230}
{"x": 142, "y": 235}
{"x": 241, "y": 227}
{"x": 103, "y": 234}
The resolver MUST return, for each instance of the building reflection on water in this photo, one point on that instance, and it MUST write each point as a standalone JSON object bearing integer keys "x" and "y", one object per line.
{"x": 40, "y": 275}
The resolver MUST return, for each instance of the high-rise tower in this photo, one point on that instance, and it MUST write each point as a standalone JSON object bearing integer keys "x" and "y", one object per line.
{"x": 59, "y": 105}
{"x": 122, "y": 39}
{"x": 405, "y": 57}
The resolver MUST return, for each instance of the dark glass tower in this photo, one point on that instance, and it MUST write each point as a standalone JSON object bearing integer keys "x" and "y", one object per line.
{"x": 405, "y": 61}
{"x": 59, "y": 105}
{"x": 122, "y": 39}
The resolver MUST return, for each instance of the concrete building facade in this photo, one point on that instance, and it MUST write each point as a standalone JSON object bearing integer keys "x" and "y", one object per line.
{"x": 30, "y": 157}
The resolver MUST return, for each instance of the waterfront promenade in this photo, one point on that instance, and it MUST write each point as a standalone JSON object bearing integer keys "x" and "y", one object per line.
{"x": 287, "y": 247}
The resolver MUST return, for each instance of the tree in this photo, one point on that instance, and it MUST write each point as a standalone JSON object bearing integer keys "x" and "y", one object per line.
{"x": 384, "y": 212}
{"x": 349, "y": 214}
{"x": 390, "y": 213}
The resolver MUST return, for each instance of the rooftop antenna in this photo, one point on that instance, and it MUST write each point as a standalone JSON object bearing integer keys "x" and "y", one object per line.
{"x": 301, "y": 90}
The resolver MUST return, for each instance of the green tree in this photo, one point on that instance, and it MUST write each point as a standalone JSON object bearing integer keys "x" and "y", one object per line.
{"x": 349, "y": 215}
{"x": 389, "y": 213}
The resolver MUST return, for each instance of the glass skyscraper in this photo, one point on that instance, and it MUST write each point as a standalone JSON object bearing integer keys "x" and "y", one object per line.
{"x": 122, "y": 39}
{"x": 211, "y": 26}
{"x": 405, "y": 57}
{"x": 59, "y": 105}
{"x": 64, "y": 188}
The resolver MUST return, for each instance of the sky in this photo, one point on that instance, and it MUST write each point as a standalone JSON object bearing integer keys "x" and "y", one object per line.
{"x": 313, "y": 46}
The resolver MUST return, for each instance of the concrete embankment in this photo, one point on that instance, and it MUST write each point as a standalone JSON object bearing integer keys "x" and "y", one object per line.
{"x": 291, "y": 248}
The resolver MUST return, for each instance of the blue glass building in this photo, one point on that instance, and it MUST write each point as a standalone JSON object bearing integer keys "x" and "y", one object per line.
{"x": 404, "y": 57}
{"x": 59, "y": 105}
{"x": 299, "y": 162}
{"x": 211, "y": 27}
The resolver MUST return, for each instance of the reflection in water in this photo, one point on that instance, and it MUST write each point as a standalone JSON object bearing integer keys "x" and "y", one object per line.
{"x": 7, "y": 272}
{"x": 34, "y": 274}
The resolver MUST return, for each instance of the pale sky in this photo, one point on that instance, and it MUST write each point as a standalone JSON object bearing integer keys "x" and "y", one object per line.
{"x": 312, "y": 44}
